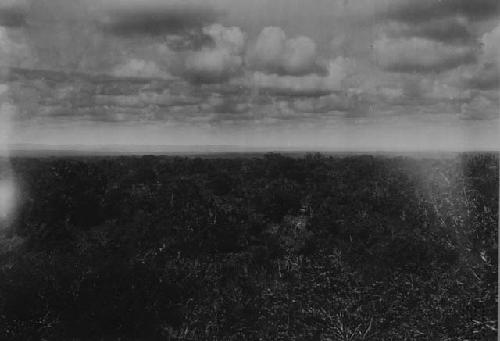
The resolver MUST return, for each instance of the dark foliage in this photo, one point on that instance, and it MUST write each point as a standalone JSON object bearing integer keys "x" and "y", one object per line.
{"x": 271, "y": 248}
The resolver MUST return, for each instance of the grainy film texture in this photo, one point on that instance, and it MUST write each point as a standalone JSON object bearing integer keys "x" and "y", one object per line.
{"x": 249, "y": 170}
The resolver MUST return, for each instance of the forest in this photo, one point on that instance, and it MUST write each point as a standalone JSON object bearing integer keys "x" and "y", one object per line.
{"x": 268, "y": 247}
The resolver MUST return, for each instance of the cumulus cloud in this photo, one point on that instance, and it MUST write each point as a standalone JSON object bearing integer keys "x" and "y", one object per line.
{"x": 486, "y": 75}
{"x": 156, "y": 17}
{"x": 338, "y": 71}
{"x": 275, "y": 53}
{"x": 220, "y": 62}
{"x": 491, "y": 47}
{"x": 228, "y": 38}
{"x": 139, "y": 68}
{"x": 420, "y": 55}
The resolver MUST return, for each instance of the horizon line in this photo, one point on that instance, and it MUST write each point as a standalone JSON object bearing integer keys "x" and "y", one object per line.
{"x": 193, "y": 148}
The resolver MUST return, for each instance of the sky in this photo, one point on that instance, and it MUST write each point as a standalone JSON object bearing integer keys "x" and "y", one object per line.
{"x": 338, "y": 74}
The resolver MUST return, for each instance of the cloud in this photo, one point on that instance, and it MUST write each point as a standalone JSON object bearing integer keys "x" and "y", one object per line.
{"x": 481, "y": 108}
{"x": 338, "y": 70}
{"x": 220, "y": 62}
{"x": 77, "y": 97}
{"x": 423, "y": 10}
{"x": 216, "y": 103}
{"x": 404, "y": 95}
{"x": 428, "y": 91}
{"x": 6, "y": 46}
{"x": 441, "y": 91}
{"x": 390, "y": 94}
{"x": 63, "y": 36}
{"x": 324, "y": 104}
{"x": 189, "y": 40}
{"x": 103, "y": 98}
{"x": 139, "y": 68}
{"x": 491, "y": 47}
{"x": 167, "y": 98}
{"x": 451, "y": 30}
{"x": 12, "y": 53}
{"x": 13, "y": 13}
{"x": 156, "y": 17}
{"x": 420, "y": 55}
{"x": 275, "y": 53}
{"x": 229, "y": 38}
{"x": 212, "y": 65}
{"x": 486, "y": 75}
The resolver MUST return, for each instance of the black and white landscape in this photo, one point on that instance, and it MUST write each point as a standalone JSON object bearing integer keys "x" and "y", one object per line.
{"x": 249, "y": 170}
